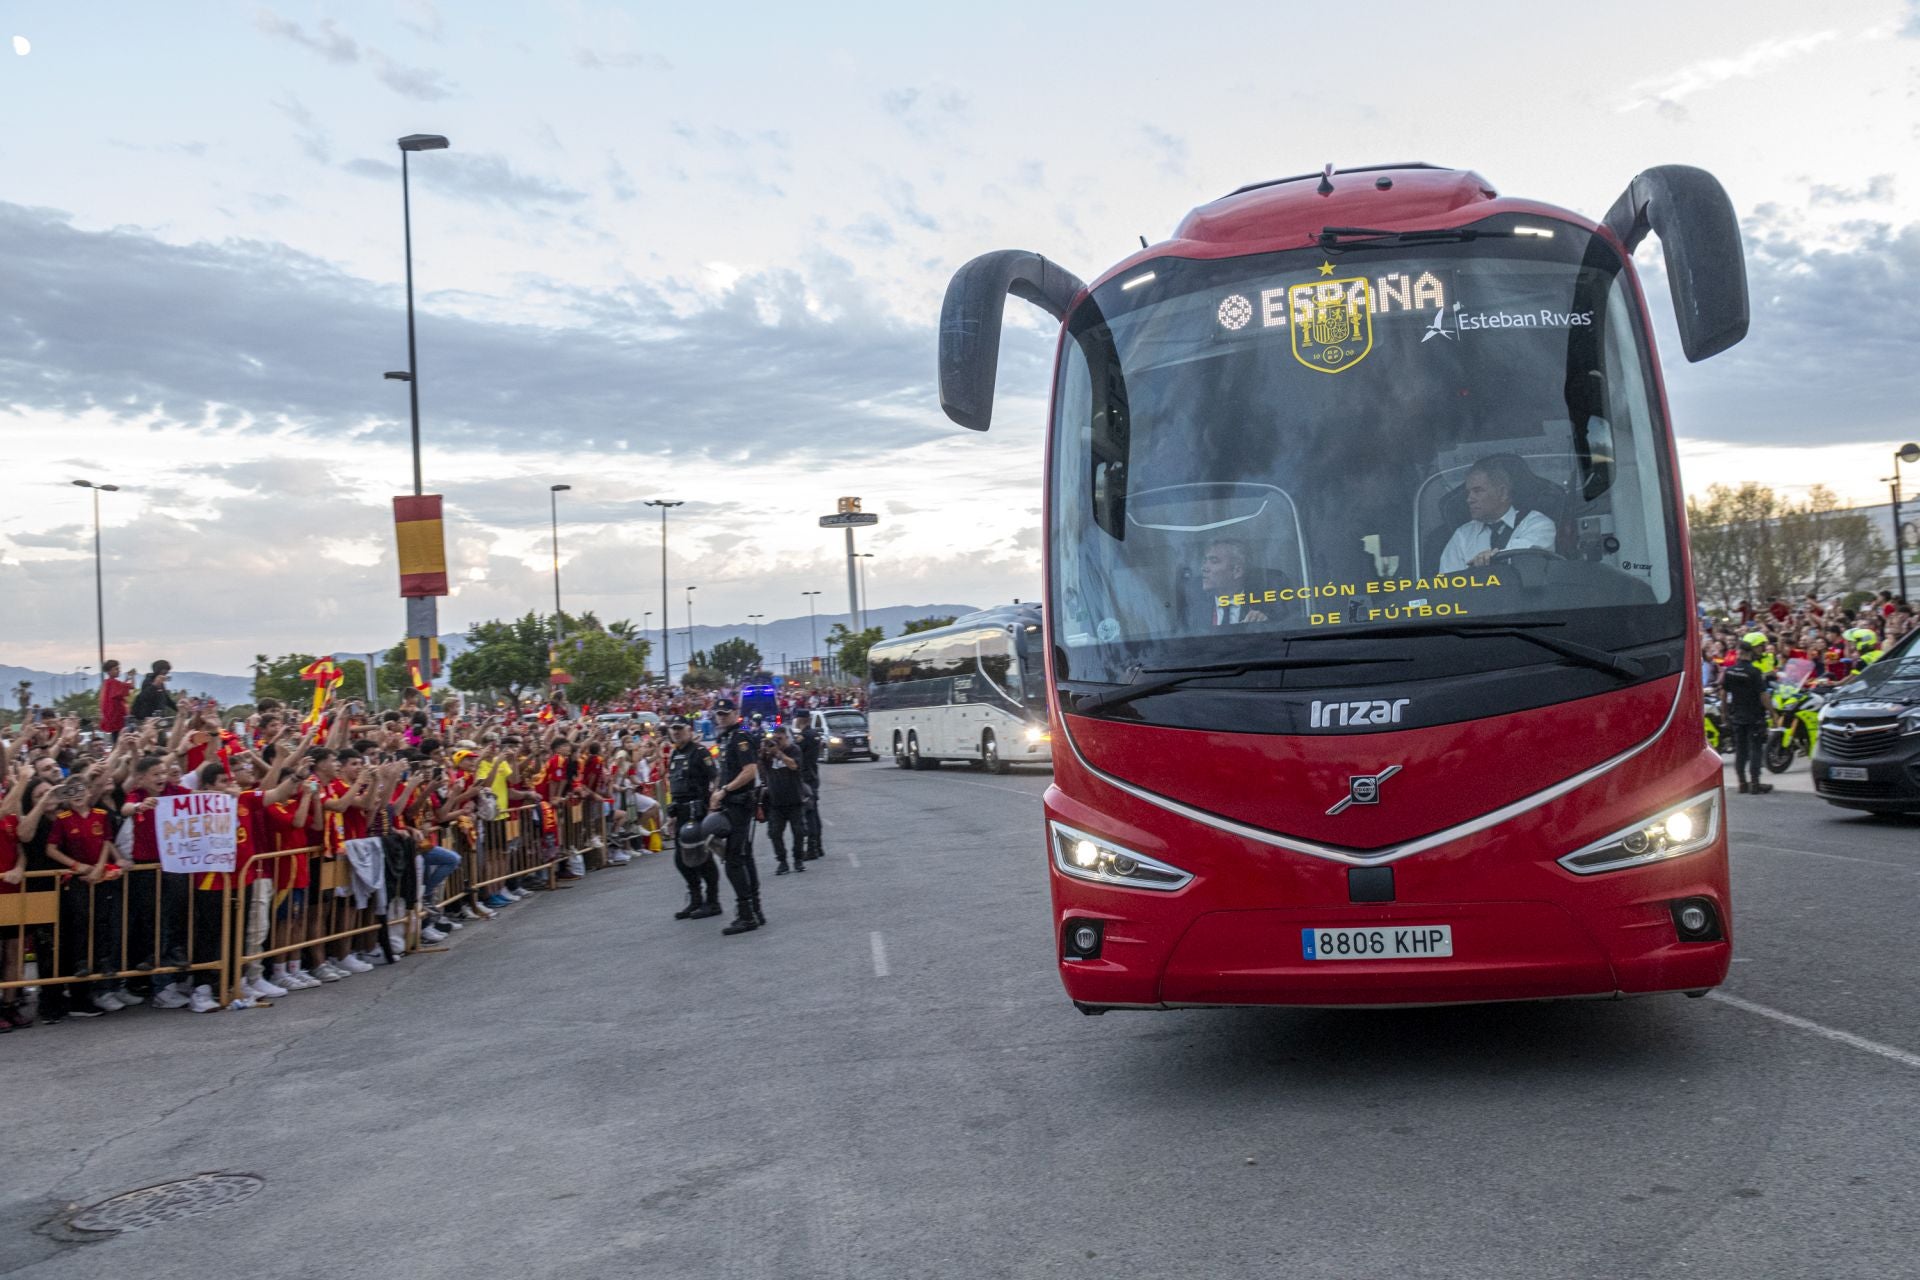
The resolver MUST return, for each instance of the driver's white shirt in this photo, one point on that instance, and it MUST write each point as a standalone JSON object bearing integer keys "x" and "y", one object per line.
{"x": 1473, "y": 537}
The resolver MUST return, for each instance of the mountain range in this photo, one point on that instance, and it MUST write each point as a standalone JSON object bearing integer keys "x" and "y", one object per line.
{"x": 789, "y": 639}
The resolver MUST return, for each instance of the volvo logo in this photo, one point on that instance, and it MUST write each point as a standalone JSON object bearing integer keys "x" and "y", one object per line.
{"x": 1364, "y": 789}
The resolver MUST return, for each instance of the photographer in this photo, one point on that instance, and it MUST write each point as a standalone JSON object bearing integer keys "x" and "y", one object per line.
{"x": 154, "y": 699}
{"x": 781, "y": 770}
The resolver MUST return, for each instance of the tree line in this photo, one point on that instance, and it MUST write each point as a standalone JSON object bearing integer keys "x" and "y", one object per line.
{"x": 1751, "y": 543}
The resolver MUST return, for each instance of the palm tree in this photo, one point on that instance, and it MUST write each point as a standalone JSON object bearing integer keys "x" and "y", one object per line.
{"x": 23, "y": 694}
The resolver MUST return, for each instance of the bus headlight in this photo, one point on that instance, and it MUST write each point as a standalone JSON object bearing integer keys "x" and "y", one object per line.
{"x": 1089, "y": 857}
{"x": 1038, "y": 735}
{"x": 1685, "y": 828}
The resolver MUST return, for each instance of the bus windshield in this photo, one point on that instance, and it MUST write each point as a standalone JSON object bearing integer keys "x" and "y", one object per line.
{"x": 1340, "y": 442}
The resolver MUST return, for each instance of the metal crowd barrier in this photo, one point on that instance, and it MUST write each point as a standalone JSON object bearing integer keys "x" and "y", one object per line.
{"x": 60, "y": 935}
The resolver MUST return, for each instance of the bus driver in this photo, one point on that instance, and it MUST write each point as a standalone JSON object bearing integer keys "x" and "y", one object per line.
{"x": 1493, "y": 522}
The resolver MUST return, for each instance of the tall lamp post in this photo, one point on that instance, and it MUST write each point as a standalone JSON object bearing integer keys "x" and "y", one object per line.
{"x": 666, "y": 659}
{"x": 863, "y": 557}
{"x": 690, "y": 591}
{"x": 646, "y": 622}
{"x": 100, "y": 592}
{"x": 553, "y": 493}
{"x": 754, "y": 618}
{"x": 409, "y": 144}
{"x": 813, "y": 628}
{"x": 1907, "y": 453}
{"x": 423, "y": 611}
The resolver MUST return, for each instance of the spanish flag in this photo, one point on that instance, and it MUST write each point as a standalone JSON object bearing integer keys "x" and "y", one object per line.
{"x": 421, "y": 668}
{"x": 557, "y": 674}
{"x": 422, "y": 542}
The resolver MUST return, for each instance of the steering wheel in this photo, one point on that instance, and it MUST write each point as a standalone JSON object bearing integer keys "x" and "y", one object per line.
{"x": 1507, "y": 555}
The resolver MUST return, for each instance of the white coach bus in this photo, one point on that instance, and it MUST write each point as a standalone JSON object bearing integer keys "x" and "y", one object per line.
{"x": 973, "y": 691}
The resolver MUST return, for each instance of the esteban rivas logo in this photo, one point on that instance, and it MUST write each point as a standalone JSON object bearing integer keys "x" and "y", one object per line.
{"x": 1364, "y": 788}
{"x": 1438, "y": 329}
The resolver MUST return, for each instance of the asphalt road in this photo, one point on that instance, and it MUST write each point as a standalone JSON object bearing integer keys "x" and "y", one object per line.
{"x": 888, "y": 1082}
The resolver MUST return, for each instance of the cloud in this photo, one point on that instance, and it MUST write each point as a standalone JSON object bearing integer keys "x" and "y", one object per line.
{"x": 926, "y": 112}
{"x": 418, "y": 83}
{"x": 341, "y": 49}
{"x": 482, "y": 177}
{"x": 1665, "y": 92}
{"x": 307, "y": 130}
{"x": 195, "y": 149}
{"x": 327, "y": 40}
{"x": 1829, "y": 355}
{"x": 253, "y": 338}
{"x": 422, "y": 18}
{"x": 1169, "y": 149}
{"x": 1911, "y": 27}
{"x": 616, "y": 60}
{"x": 1879, "y": 190}
{"x": 619, "y": 181}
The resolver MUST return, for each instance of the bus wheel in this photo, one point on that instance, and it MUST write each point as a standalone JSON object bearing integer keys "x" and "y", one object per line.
{"x": 914, "y": 759}
{"x": 900, "y": 760}
{"x": 990, "y": 755}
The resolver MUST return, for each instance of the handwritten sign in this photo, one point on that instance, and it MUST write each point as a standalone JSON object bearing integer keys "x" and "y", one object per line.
{"x": 196, "y": 832}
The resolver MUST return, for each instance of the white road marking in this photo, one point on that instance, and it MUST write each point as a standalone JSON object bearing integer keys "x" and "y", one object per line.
{"x": 881, "y": 970}
{"x": 853, "y": 859}
{"x": 1852, "y": 1041}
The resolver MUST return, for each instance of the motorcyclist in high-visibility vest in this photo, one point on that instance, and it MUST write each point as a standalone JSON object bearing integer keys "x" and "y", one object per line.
{"x": 1866, "y": 646}
{"x": 1761, "y": 647}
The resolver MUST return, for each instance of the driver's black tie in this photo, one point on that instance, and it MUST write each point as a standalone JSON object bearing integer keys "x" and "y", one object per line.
{"x": 1500, "y": 535}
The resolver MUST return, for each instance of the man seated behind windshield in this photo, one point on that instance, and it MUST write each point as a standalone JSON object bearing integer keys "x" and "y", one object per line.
{"x": 1494, "y": 523}
{"x": 1223, "y": 573}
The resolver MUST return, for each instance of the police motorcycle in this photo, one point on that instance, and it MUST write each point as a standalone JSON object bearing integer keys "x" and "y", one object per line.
{"x": 1796, "y": 727}
{"x": 1716, "y": 721}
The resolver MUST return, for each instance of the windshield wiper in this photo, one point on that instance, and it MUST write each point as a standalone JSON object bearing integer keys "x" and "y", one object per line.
{"x": 1142, "y": 681}
{"x": 1583, "y": 654}
{"x": 1342, "y": 237}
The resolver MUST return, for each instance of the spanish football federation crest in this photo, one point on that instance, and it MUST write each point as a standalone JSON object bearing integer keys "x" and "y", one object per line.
{"x": 1332, "y": 323}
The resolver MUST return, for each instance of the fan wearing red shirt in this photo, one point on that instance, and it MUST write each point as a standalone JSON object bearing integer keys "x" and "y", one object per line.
{"x": 78, "y": 840}
{"x": 115, "y": 694}
{"x": 157, "y": 901}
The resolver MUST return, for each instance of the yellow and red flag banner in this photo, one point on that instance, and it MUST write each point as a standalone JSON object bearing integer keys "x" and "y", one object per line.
{"x": 422, "y": 667}
{"x": 422, "y": 542}
{"x": 326, "y": 675}
{"x": 557, "y": 673}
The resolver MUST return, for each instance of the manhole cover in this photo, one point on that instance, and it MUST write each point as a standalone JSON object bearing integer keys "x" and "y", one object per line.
{"x": 165, "y": 1202}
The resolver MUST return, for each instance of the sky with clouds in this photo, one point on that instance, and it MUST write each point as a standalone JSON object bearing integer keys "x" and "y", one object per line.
{"x": 699, "y": 254}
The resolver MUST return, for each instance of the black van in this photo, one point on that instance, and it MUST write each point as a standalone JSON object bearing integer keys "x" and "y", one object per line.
{"x": 1868, "y": 756}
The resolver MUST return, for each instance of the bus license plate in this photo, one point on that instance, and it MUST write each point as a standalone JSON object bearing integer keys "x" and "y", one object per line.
{"x": 1847, "y": 772}
{"x": 1392, "y": 942}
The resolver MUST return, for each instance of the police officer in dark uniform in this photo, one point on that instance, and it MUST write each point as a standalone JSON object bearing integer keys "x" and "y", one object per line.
{"x": 739, "y": 778}
{"x": 690, "y": 775}
{"x": 806, "y": 742}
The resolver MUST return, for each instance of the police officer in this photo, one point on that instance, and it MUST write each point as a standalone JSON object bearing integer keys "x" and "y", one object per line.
{"x": 1744, "y": 688}
{"x": 690, "y": 775}
{"x": 806, "y": 743}
{"x": 785, "y": 798}
{"x": 739, "y": 777}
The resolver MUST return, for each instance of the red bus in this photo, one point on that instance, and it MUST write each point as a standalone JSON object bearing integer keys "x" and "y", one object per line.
{"x": 1369, "y": 625}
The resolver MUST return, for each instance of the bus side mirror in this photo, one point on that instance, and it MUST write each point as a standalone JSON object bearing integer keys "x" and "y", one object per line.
{"x": 970, "y": 324}
{"x": 1706, "y": 269}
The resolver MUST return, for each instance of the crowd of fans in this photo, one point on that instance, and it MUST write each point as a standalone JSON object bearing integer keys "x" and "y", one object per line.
{"x": 79, "y": 799}
{"x": 1837, "y": 638}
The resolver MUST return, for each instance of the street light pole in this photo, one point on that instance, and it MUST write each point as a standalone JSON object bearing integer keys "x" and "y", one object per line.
{"x": 666, "y": 660}
{"x": 1905, "y": 453}
{"x": 411, "y": 143}
{"x": 100, "y": 592}
{"x": 812, "y": 628}
{"x": 864, "y": 557}
{"x": 553, "y": 492}
{"x": 690, "y": 591}
{"x": 754, "y": 618}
